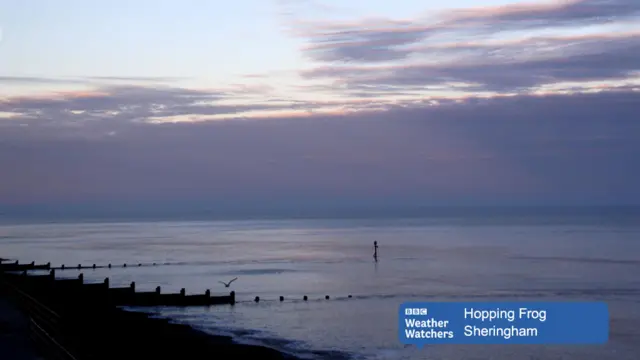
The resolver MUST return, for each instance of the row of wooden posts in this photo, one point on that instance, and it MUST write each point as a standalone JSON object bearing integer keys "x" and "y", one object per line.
{"x": 305, "y": 298}
{"x": 16, "y": 266}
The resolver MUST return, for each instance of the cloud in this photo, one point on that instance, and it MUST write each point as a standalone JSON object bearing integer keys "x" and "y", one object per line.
{"x": 502, "y": 49}
{"x": 367, "y": 41}
{"x": 549, "y": 14}
{"x": 373, "y": 41}
{"x": 502, "y": 67}
{"x": 578, "y": 148}
{"x": 384, "y": 40}
{"x": 127, "y": 104}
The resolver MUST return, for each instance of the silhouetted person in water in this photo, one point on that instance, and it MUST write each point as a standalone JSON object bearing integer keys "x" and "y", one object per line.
{"x": 375, "y": 251}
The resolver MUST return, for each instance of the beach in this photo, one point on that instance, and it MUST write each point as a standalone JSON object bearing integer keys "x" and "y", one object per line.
{"x": 77, "y": 327}
{"x": 450, "y": 259}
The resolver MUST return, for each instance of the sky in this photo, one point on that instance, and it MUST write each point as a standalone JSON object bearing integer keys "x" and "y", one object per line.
{"x": 301, "y": 103}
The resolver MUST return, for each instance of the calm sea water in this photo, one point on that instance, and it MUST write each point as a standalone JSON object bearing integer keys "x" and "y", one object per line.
{"x": 420, "y": 259}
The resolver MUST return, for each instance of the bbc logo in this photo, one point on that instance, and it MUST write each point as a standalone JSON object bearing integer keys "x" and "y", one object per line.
{"x": 415, "y": 311}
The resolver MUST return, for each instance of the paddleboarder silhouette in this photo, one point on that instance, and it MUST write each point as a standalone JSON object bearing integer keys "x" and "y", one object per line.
{"x": 375, "y": 251}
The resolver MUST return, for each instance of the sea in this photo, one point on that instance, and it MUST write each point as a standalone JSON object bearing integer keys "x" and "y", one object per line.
{"x": 478, "y": 257}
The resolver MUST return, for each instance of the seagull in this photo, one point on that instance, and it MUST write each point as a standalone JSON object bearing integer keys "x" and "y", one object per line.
{"x": 229, "y": 283}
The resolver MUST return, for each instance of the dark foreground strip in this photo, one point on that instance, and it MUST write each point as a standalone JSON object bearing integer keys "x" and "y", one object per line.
{"x": 68, "y": 327}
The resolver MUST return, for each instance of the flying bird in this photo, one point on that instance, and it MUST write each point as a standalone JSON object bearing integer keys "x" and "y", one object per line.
{"x": 226, "y": 284}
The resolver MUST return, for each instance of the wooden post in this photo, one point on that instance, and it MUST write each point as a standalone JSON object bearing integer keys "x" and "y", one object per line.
{"x": 281, "y": 298}
{"x": 94, "y": 266}
{"x": 52, "y": 274}
{"x": 139, "y": 264}
{"x": 81, "y": 278}
{"x": 182, "y": 300}
{"x": 48, "y": 265}
{"x": 207, "y": 293}
{"x": 125, "y": 265}
{"x": 157, "y": 290}
{"x": 326, "y": 297}
{"x": 257, "y": 299}
{"x": 105, "y": 299}
{"x": 305, "y": 298}
{"x": 133, "y": 286}
{"x": 33, "y": 263}
{"x": 62, "y": 267}
{"x": 109, "y": 265}
{"x": 79, "y": 266}
{"x": 233, "y": 297}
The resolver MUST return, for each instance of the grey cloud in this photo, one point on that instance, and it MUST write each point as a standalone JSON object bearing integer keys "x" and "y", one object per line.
{"x": 126, "y": 98}
{"x": 387, "y": 40}
{"x": 510, "y": 67}
{"x": 376, "y": 42}
{"x": 522, "y": 75}
{"x": 551, "y": 149}
{"x": 123, "y": 103}
{"x": 382, "y": 43}
{"x": 562, "y": 13}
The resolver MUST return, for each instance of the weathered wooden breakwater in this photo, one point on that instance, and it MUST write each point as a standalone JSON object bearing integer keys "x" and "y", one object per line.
{"x": 45, "y": 286}
{"x": 103, "y": 294}
{"x": 16, "y": 266}
{"x": 6, "y": 265}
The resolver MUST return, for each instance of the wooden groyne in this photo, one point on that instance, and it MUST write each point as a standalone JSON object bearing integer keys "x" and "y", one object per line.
{"x": 8, "y": 265}
{"x": 16, "y": 266}
{"x": 102, "y": 294}
{"x": 68, "y": 321}
{"x": 108, "y": 266}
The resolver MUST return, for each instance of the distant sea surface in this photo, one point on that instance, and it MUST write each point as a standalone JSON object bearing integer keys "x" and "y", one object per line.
{"x": 463, "y": 258}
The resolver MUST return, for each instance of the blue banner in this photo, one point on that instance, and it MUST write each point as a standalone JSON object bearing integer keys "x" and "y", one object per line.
{"x": 424, "y": 323}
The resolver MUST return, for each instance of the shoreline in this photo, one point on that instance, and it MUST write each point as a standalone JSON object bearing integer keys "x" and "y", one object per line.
{"x": 295, "y": 354}
{"x": 186, "y": 339}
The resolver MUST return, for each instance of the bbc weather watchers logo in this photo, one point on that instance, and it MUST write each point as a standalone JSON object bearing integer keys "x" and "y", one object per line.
{"x": 416, "y": 311}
